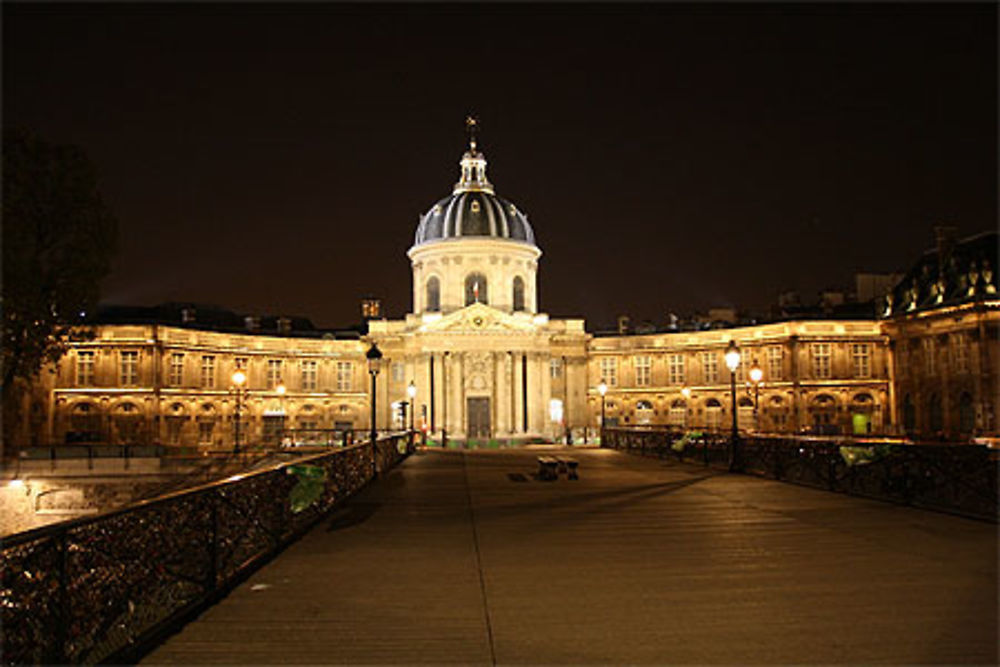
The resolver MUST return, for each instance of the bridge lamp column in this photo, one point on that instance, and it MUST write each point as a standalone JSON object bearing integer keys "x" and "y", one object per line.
{"x": 280, "y": 389}
{"x": 239, "y": 379}
{"x": 735, "y": 451}
{"x": 602, "y": 389}
{"x": 411, "y": 391}
{"x": 756, "y": 375}
{"x": 374, "y": 356}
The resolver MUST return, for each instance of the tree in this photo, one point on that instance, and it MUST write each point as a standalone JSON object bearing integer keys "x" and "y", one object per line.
{"x": 58, "y": 241}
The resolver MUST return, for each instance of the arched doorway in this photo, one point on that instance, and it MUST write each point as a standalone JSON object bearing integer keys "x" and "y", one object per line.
{"x": 678, "y": 413}
{"x": 966, "y": 414}
{"x": 643, "y": 412}
{"x": 713, "y": 415}
{"x": 862, "y": 408}
{"x": 823, "y": 415}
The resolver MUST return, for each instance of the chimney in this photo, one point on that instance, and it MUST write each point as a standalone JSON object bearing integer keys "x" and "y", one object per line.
{"x": 251, "y": 322}
{"x": 623, "y": 322}
{"x": 944, "y": 237}
{"x": 187, "y": 315}
{"x": 284, "y": 325}
{"x": 371, "y": 308}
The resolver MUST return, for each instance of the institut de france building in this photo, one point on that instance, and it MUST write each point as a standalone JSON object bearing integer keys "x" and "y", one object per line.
{"x": 486, "y": 364}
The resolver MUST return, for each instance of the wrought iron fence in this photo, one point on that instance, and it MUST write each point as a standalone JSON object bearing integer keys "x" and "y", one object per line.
{"x": 101, "y": 588}
{"x": 960, "y": 479}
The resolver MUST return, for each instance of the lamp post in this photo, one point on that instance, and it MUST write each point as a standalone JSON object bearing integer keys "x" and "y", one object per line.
{"x": 374, "y": 356}
{"x": 602, "y": 389}
{"x": 735, "y": 453}
{"x": 280, "y": 389}
{"x": 239, "y": 379}
{"x": 411, "y": 391}
{"x": 756, "y": 375}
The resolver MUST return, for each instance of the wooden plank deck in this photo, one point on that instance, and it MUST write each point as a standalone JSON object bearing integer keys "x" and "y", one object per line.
{"x": 463, "y": 557}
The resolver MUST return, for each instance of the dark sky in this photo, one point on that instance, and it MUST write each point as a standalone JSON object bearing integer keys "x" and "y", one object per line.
{"x": 671, "y": 158}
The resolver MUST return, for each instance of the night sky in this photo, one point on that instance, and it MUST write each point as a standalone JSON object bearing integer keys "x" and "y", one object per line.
{"x": 671, "y": 158}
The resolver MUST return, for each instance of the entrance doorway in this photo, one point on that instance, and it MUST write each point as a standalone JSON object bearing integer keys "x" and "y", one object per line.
{"x": 478, "y": 410}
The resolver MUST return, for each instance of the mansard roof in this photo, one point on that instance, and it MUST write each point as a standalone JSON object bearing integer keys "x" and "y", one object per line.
{"x": 949, "y": 275}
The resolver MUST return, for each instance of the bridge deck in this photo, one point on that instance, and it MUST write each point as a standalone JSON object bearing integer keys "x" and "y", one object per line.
{"x": 450, "y": 558}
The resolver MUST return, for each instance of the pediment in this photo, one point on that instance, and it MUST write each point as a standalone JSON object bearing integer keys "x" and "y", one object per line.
{"x": 480, "y": 318}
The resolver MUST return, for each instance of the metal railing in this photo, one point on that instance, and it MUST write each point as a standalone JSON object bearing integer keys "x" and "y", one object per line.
{"x": 102, "y": 588}
{"x": 959, "y": 479}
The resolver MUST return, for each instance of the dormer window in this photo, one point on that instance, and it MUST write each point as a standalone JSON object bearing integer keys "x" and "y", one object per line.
{"x": 475, "y": 207}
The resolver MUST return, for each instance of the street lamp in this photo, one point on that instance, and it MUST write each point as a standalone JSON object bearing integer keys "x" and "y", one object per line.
{"x": 602, "y": 389}
{"x": 280, "y": 389}
{"x": 756, "y": 375}
{"x": 732, "y": 363}
{"x": 239, "y": 379}
{"x": 411, "y": 391}
{"x": 374, "y": 356}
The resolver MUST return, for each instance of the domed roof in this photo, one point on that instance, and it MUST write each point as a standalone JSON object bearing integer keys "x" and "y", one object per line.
{"x": 473, "y": 209}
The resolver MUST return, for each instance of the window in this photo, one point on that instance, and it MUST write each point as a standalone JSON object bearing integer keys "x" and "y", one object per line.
{"x": 398, "y": 371}
{"x": 274, "y": 378}
{"x": 344, "y": 373}
{"x": 821, "y": 360}
{"x": 774, "y": 365}
{"x": 861, "y": 358}
{"x": 710, "y": 367}
{"x": 176, "y": 378}
{"x": 928, "y": 345}
{"x": 208, "y": 372}
{"x": 675, "y": 369}
{"x": 205, "y": 428}
{"x": 129, "y": 368}
{"x": 642, "y": 371}
{"x": 678, "y": 413}
{"x": 85, "y": 368}
{"x": 240, "y": 363}
{"x": 609, "y": 371}
{"x": 433, "y": 294}
{"x": 518, "y": 299}
{"x": 555, "y": 368}
{"x": 959, "y": 353}
{"x": 475, "y": 289}
{"x": 309, "y": 375}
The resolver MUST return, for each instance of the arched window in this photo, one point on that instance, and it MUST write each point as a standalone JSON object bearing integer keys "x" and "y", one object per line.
{"x": 713, "y": 414}
{"x": 433, "y": 300}
{"x": 475, "y": 289}
{"x": 518, "y": 300}
{"x": 643, "y": 412}
{"x": 935, "y": 414}
{"x": 678, "y": 413}
{"x": 909, "y": 414}
{"x": 966, "y": 414}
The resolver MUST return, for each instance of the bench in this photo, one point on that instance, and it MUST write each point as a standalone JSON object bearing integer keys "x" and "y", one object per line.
{"x": 550, "y": 467}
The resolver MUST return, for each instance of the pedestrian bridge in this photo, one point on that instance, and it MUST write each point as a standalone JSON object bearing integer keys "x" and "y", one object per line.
{"x": 466, "y": 557}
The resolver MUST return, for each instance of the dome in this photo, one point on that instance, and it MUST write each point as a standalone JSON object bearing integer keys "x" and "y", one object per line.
{"x": 473, "y": 209}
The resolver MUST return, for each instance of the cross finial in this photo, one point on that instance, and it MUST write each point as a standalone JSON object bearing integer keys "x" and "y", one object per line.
{"x": 471, "y": 126}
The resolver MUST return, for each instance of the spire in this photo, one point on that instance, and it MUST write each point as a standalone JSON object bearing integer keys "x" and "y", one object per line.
{"x": 473, "y": 174}
{"x": 471, "y": 125}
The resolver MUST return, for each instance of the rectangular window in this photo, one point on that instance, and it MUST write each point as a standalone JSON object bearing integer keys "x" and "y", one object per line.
{"x": 555, "y": 368}
{"x": 208, "y": 371}
{"x": 240, "y": 363}
{"x": 274, "y": 367}
{"x": 609, "y": 371}
{"x": 309, "y": 375}
{"x": 176, "y": 377}
{"x": 675, "y": 369}
{"x": 775, "y": 356}
{"x": 345, "y": 371}
{"x": 129, "y": 368}
{"x": 861, "y": 359}
{"x": 928, "y": 345}
{"x": 205, "y": 429}
{"x": 959, "y": 353}
{"x": 398, "y": 371}
{"x": 821, "y": 360}
{"x": 85, "y": 368}
{"x": 710, "y": 367}
{"x": 642, "y": 371}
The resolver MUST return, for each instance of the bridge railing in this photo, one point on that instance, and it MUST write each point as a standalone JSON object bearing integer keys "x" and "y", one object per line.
{"x": 960, "y": 479}
{"x": 102, "y": 588}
